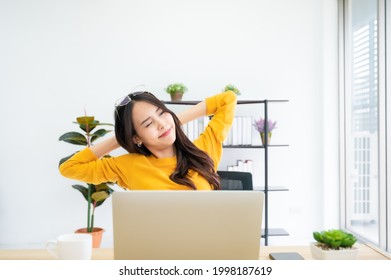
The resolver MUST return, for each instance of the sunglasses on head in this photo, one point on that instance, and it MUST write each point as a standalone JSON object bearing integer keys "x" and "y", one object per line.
{"x": 123, "y": 101}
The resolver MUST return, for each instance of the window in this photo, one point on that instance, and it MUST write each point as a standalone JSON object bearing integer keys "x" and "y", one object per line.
{"x": 363, "y": 105}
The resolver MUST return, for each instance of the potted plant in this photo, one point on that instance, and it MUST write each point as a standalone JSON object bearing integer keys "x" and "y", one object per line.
{"x": 260, "y": 127}
{"x": 334, "y": 244}
{"x": 95, "y": 195}
{"x": 233, "y": 88}
{"x": 176, "y": 91}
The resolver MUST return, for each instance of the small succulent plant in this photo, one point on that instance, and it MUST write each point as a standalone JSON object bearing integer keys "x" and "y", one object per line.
{"x": 335, "y": 239}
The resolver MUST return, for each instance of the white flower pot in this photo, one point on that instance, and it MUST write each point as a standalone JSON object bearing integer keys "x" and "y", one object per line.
{"x": 343, "y": 254}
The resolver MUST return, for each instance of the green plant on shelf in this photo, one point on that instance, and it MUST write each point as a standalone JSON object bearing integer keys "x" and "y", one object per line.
{"x": 175, "y": 88}
{"x": 233, "y": 88}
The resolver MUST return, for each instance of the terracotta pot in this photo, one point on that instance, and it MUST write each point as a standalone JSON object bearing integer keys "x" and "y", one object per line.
{"x": 96, "y": 235}
{"x": 176, "y": 96}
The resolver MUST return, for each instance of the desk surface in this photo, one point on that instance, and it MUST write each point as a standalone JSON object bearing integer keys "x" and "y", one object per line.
{"x": 366, "y": 253}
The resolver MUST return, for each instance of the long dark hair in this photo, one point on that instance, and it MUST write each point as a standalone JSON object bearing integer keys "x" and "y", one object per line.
{"x": 188, "y": 155}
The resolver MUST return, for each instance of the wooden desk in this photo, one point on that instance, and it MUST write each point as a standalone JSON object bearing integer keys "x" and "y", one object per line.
{"x": 366, "y": 253}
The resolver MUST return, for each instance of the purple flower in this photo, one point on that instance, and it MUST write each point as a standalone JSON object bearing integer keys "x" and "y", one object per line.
{"x": 260, "y": 125}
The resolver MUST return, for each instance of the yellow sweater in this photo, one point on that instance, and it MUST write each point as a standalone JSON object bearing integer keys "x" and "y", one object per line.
{"x": 139, "y": 172}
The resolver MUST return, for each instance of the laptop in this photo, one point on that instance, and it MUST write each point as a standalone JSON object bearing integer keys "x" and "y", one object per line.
{"x": 187, "y": 225}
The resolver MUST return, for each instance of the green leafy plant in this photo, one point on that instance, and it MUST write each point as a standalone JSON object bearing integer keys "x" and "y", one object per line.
{"x": 335, "y": 239}
{"x": 94, "y": 194}
{"x": 177, "y": 87}
{"x": 233, "y": 88}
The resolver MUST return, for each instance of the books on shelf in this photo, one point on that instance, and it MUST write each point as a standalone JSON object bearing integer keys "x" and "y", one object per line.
{"x": 239, "y": 134}
{"x": 242, "y": 165}
{"x": 194, "y": 128}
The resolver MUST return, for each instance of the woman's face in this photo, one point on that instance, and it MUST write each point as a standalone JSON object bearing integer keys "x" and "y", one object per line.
{"x": 155, "y": 129}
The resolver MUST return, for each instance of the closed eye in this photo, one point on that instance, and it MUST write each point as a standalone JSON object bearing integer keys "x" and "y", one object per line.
{"x": 161, "y": 112}
{"x": 148, "y": 121}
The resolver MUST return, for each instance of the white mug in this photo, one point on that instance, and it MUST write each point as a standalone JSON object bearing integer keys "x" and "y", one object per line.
{"x": 73, "y": 246}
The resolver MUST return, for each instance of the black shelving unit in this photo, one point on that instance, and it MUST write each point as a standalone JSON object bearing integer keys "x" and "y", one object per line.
{"x": 266, "y": 232}
{"x": 269, "y": 232}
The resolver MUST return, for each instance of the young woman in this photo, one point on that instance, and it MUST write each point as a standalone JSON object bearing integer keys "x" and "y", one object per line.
{"x": 160, "y": 157}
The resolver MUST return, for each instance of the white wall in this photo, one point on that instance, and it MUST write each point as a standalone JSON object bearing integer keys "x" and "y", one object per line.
{"x": 59, "y": 58}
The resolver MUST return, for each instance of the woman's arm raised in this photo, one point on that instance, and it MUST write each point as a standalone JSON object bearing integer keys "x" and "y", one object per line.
{"x": 104, "y": 147}
{"x": 193, "y": 113}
